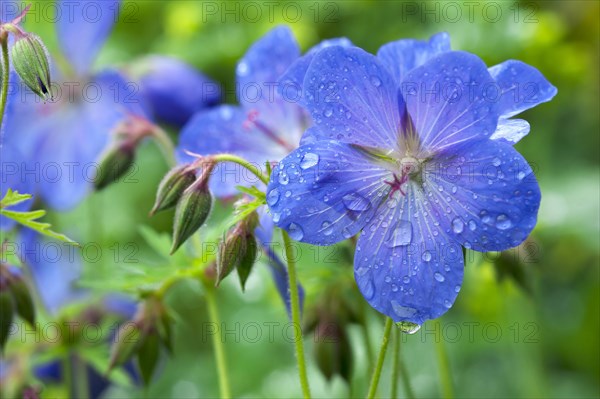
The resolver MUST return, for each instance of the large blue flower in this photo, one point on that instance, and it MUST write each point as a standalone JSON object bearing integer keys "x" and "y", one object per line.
{"x": 412, "y": 149}
{"x": 265, "y": 127}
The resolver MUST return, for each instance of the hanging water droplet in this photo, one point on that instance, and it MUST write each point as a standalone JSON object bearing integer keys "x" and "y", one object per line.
{"x": 243, "y": 69}
{"x": 356, "y": 202}
{"x": 276, "y": 217}
{"x": 295, "y": 231}
{"x": 503, "y": 222}
{"x": 457, "y": 288}
{"x": 439, "y": 277}
{"x": 403, "y": 312}
{"x": 273, "y": 197}
{"x": 309, "y": 160}
{"x": 401, "y": 235}
{"x": 407, "y": 327}
{"x": 457, "y": 226}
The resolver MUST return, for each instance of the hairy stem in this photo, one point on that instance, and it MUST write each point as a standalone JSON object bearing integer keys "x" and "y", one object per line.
{"x": 295, "y": 307}
{"x": 398, "y": 367}
{"x": 213, "y": 313}
{"x": 379, "y": 366}
{"x": 5, "y": 72}
{"x": 242, "y": 162}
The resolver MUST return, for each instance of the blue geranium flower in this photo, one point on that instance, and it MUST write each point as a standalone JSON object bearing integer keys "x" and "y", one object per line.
{"x": 412, "y": 149}
{"x": 265, "y": 127}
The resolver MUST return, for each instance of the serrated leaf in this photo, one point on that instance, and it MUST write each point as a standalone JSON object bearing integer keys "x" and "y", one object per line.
{"x": 269, "y": 168}
{"x": 253, "y": 191}
{"x": 29, "y": 219}
{"x": 13, "y": 198}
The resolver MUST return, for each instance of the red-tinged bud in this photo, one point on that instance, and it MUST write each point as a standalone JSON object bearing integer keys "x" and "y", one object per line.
{"x": 172, "y": 186}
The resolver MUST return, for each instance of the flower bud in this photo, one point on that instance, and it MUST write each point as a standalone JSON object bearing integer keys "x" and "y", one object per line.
{"x": 30, "y": 60}
{"x": 191, "y": 212}
{"x": 172, "y": 186}
{"x": 332, "y": 350}
{"x": 239, "y": 250}
{"x": 126, "y": 344}
{"x": 23, "y": 300}
{"x": 114, "y": 164}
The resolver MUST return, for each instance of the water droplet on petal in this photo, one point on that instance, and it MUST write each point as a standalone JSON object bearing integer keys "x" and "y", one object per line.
{"x": 295, "y": 231}
{"x": 387, "y": 279}
{"x": 457, "y": 288}
{"x": 472, "y": 225}
{"x": 368, "y": 290}
{"x": 375, "y": 81}
{"x": 401, "y": 235}
{"x": 361, "y": 271}
{"x": 457, "y": 226}
{"x": 356, "y": 202}
{"x": 496, "y": 161}
{"x": 346, "y": 233}
{"x": 521, "y": 175}
{"x": 439, "y": 277}
{"x": 283, "y": 178}
{"x": 426, "y": 256}
{"x": 309, "y": 160}
{"x": 503, "y": 222}
{"x": 407, "y": 327}
{"x": 273, "y": 197}
{"x": 404, "y": 312}
{"x": 327, "y": 228}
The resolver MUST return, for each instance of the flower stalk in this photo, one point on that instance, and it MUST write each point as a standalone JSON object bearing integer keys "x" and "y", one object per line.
{"x": 379, "y": 366}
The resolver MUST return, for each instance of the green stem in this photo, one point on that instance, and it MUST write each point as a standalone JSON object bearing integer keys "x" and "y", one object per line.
{"x": 213, "y": 313}
{"x": 67, "y": 374}
{"x": 5, "y": 72}
{"x": 398, "y": 367}
{"x": 80, "y": 380}
{"x": 379, "y": 366}
{"x": 295, "y": 307}
{"x": 444, "y": 364}
{"x": 242, "y": 162}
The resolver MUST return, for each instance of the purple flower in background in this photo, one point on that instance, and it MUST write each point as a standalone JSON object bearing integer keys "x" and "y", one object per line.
{"x": 265, "y": 127}
{"x": 173, "y": 89}
{"x": 412, "y": 149}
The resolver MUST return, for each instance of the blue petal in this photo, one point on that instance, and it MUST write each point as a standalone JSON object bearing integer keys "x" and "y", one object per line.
{"x": 353, "y": 98}
{"x": 485, "y": 196}
{"x": 521, "y": 87}
{"x": 125, "y": 96}
{"x": 405, "y": 266}
{"x": 510, "y": 130}
{"x": 402, "y": 56}
{"x": 175, "y": 90}
{"x": 294, "y": 77}
{"x": 324, "y": 193}
{"x": 55, "y": 267}
{"x": 225, "y": 130}
{"x": 263, "y": 64}
{"x": 83, "y": 29}
{"x": 447, "y": 101}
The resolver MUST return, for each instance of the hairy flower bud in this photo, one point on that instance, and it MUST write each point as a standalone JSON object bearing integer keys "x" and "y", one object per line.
{"x": 172, "y": 186}
{"x": 114, "y": 164}
{"x": 239, "y": 250}
{"x": 30, "y": 60}
{"x": 191, "y": 212}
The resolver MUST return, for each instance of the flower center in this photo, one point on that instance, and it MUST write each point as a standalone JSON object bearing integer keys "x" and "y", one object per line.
{"x": 410, "y": 168}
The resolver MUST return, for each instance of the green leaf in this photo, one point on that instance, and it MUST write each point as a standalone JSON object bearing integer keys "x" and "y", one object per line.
{"x": 253, "y": 191}
{"x": 29, "y": 219}
{"x": 13, "y": 198}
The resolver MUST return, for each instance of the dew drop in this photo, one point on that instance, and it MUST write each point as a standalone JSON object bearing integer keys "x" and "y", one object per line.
{"x": 457, "y": 288}
{"x": 375, "y": 81}
{"x": 503, "y": 222}
{"x": 368, "y": 290}
{"x": 472, "y": 225}
{"x": 346, "y": 233}
{"x": 328, "y": 112}
{"x": 496, "y": 161}
{"x": 356, "y": 202}
{"x": 327, "y": 228}
{"x": 457, "y": 226}
{"x": 439, "y": 277}
{"x": 283, "y": 179}
{"x": 295, "y": 231}
{"x": 403, "y": 311}
{"x": 387, "y": 279}
{"x": 309, "y": 160}
{"x": 273, "y": 197}
{"x": 407, "y": 327}
{"x": 521, "y": 175}
{"x": 361, "y": 271}
{"x": 406, "y": 279}
{"x": 426, "y": 256}
{"x": 394, "y": 288}
{"x": 401, "y": 235}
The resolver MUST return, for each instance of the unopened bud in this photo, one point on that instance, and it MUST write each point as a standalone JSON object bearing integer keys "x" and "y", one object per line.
{"x": 114, "y": 164}
{"x": 30, "y": 60}
{"x": 239, "y": 250}
{"x": 332, "y": 350}
{"x": 191, "y": 212}
{"x": 23, "y": 300}
{"x": 172, "y": 186}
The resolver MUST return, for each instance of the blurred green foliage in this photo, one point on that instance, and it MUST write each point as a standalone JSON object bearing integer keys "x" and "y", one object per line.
{"x": 502, "y": 340}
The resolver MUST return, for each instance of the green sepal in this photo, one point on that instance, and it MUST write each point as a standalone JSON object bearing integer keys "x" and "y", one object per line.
{"x": 191, "y": 212}
{"x": 7, "y": 310}
{"x": 113, "y": 165}
{"x": 147, "y": 356}
{"x": 171, "y": 188}
{"x": 30, "y": 60}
